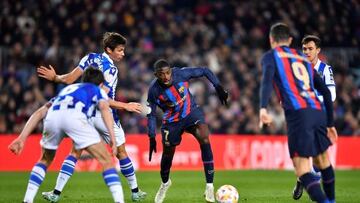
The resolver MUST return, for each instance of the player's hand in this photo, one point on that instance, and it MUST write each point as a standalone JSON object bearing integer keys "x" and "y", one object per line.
{"x": 133, "y": 107}
{"x": 47, "y": 73}
{"x": 332, "y": 134}
{"x": 114, "y": 150}
{"x": 265, "y": 118}
{"x": 222, "y": 94}
{"x": 17, "y": 146}
{"x": 152, "y": 146}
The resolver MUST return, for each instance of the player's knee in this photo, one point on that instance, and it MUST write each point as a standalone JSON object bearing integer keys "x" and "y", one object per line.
{"x": 76, "y": 153}
{"x": 105, "y": 161}
{"x": 322, "y": 161}
{"x": 121, "y": 154}
{"x": 47, "y": 157}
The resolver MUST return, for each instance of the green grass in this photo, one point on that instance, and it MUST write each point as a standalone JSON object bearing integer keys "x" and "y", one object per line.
{"x": 188, "y": 186}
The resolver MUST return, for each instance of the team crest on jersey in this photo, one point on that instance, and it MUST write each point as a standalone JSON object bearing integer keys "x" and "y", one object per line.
{"x": 181, "y": 89}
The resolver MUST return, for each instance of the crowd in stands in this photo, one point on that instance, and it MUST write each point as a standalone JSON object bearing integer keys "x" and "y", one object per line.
{"x": 229, "y": 37}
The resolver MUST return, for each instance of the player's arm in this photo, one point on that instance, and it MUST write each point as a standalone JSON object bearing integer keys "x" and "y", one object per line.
{"x": 325, "y": 92}
{"x": 188, "y": 73}
{"x": 268, "y": 66}
{"x": 50, "y": 74}
{"x": 151, "y": 123}
{"x": 131, "y": 106}
{"x": 17, "y": 145}
{"x": 330, "y": 82}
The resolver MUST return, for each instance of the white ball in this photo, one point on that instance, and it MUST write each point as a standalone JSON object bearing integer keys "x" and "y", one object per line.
{"x": 145, "y": 110}
{"x": 227, "y": 194}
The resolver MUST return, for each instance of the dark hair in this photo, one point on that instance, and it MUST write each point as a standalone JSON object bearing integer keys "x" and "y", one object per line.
{"x": 93, "y": 75}
{"x": 280, "y": 32}
{"x": 309, "y": 38}
{"x": 112, "y": 40}
{"x": 161, "y": 63}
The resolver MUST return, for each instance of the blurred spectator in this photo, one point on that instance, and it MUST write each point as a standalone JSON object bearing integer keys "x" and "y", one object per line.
{"x": 227, "y": 36}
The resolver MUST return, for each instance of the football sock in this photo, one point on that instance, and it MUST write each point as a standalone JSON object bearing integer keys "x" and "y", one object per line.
{"x": 66, "y": 171}
{"x": 328, "y": 182}
{"x": 166, "y": 161}
{"x": 37, "y": 176}
{"x": 127, "y": 169}
{"x": 112, "y": 180}
{"x": 313, "y": 188}
{"x": 316, "y": 169}
{"x": 207, "y": 158}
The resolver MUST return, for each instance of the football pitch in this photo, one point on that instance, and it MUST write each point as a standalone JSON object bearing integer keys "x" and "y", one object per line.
{"x": 188, "y": 186}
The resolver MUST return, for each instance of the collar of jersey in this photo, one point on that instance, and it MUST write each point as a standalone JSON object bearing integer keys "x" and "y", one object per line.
{"x": 108, "y": 57}
{"x": 317, "y": 64}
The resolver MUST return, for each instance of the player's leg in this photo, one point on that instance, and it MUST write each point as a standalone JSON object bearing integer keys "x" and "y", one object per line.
{"x": 322, "y": 161}
{"x": 37, "y": 174}
{"x": 110, "y": 175}
{"x": 308, "y": 179}
{"x": 165, "y": 166}
{"x": 127, "y": 169}
{"x": 201, "y": 133}
{"x": 327, "y": 175}
{"x": 126, "y": 165}
{"x": 88, "y": 138}
{"x": 302, "y": 144}
{"x": 66, "y": 171}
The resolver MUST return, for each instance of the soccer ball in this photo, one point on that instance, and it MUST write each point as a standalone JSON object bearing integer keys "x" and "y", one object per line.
{"x": 227, "y": 194}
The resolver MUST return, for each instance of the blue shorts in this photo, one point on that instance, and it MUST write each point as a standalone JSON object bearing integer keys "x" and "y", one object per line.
{"x": 172, "y": 132}
{"x": 307, "y": 132}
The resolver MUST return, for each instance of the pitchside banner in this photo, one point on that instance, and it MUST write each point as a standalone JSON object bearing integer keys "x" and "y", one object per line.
{"x": 231, "y": 152}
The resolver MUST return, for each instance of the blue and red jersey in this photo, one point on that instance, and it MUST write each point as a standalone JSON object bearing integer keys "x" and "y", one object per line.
{"x": 292, "y": 76}
{"x": 175, "y": 101}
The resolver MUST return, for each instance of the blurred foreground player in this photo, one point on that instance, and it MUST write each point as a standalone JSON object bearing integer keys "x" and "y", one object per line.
{"x": 69, "y": 114}
{"x": 170, "y": 92}
{"x": 310, "y": 129}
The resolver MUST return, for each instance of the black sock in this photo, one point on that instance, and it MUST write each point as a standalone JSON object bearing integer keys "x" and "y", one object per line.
{"x": 313, "y": 188}
{"x": 57, "y": 192}
{"x": 135, "y": 190}
{"x": 207, "y": 158}
{"x": 328, "y": 182}
{"x": 166, "y": 161}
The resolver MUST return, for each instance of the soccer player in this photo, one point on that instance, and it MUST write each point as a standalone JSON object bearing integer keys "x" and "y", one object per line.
{"x": 68, "y": 114}
{"x": 170, "y": 91}
{"x": 310, "y": 122}
{"x": 311, "y": 48}
{"x": 114, "y": 50}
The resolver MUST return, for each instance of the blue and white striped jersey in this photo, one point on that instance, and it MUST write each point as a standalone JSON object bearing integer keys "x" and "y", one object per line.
{"x": 326, "y": 73}
{"x": 103, "y": 62}
{"x": 82, "y": 97}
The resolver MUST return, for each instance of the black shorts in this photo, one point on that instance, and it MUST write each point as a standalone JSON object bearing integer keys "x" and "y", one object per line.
{"x": 172, "y": 132}
{"x": 307, "y": 132}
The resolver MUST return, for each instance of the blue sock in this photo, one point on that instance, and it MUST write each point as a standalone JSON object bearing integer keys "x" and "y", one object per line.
{"x": 313, "y": 188}
{"x": 328, "y": 182}
{"x": 316, "y": 169}
{"x": 207, "y": 158}
{"x": 66, "y": 171}
{"x": 112, "y": 180}
{"x": 127, "y": 169}
{"x": 36, "y": 178}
